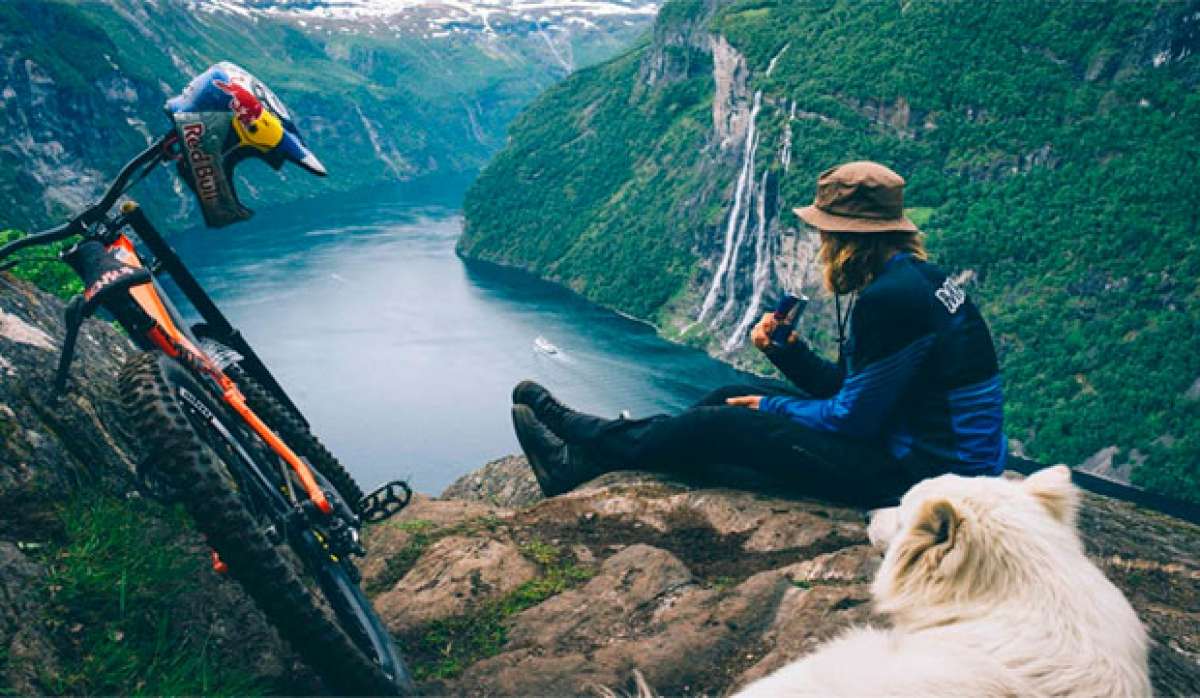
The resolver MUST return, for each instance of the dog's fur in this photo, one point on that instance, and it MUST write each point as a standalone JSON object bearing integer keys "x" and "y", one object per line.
{"x": 990, "y": 593}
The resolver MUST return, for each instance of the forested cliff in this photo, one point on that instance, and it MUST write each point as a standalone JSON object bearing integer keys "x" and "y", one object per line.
{"x": 1051, "y": 151}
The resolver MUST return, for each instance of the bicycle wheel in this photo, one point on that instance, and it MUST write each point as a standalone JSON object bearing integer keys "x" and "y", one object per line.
{"x": 234, "y": 489}
{"x": 284, "y": 422}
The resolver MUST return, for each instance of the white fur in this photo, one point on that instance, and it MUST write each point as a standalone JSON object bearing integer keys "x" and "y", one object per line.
{"x": 990, "y": 593}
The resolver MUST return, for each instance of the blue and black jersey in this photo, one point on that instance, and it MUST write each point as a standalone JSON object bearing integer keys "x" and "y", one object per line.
{"x": 918, "y": 372}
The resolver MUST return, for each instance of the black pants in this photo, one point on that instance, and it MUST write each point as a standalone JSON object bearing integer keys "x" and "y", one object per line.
{"x": 712, "y": 437}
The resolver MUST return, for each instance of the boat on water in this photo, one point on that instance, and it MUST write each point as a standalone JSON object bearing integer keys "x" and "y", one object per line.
{"x": 544, "y": 346}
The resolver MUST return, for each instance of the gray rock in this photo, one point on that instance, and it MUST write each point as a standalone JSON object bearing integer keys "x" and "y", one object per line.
{"x": 705, "y": 588}
{"x": 1193, "y": 393}
{"x": 505, "y": 482}
{"x": 49, "y": 445}
{"x": 1104, "y": 464}
{"x": 454, "y": 575}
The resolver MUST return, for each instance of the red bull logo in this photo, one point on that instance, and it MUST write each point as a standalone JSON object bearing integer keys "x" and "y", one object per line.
{"x": 203, "y": 169}
{"x": 246, "y": 107}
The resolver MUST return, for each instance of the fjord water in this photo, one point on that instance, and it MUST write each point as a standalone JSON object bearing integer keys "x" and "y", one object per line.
{"x": 401, "y": 355}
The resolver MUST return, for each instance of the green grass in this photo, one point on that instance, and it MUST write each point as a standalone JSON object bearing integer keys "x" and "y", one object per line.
{"x": 920, "y": 215}
{"x": 44, "y": 270}
{"x": 421, "y": 535}
{"x": 5, "y": 688}
{"x": 443, "y": 648}
{"x": 723, "y": 583}
{"x": 119, "y": 588}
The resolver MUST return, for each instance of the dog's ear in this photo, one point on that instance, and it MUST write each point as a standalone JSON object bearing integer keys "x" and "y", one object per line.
{"x": 936, "y": 540}
{"x": 1053, "y": 489}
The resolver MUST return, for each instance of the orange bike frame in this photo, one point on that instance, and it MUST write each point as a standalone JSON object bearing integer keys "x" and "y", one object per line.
{"x": 166, "y": 335}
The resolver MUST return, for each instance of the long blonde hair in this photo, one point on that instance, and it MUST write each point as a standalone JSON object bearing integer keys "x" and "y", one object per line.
{"x": 852, "y": 260}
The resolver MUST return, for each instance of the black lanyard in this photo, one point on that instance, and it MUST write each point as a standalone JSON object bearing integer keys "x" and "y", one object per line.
{"x": 843, "y": 320}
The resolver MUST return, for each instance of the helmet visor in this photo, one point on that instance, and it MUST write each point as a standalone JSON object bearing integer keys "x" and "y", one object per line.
{"x": 292, "y": 148}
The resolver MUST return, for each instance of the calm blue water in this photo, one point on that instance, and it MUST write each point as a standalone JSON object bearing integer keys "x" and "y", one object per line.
{"x": 401, "y": 355}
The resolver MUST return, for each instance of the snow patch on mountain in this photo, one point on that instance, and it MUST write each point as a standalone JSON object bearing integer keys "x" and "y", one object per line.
{"x": 443, "y": 18}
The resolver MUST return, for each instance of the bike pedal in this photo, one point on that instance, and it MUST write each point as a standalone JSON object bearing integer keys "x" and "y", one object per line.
{"x": 385, "y": 502}
{"x": 218, "y": 564}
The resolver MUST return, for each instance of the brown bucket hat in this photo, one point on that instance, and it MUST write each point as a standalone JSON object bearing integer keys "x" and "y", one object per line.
{"x": 858, "y": 197}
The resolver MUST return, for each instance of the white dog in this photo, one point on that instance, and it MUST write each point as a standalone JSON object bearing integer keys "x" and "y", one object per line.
{"x": 990, "y": 593}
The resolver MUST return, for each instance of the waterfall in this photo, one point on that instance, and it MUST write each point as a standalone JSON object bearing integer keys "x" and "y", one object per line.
{"x": 762, "y": 270}
{"x": 775, "y": 60}
{"x": 739, "y": 239}
{"x": 568, "y": 65}
{"x": 745, "y": 179}
{"x": 785, "y": 151}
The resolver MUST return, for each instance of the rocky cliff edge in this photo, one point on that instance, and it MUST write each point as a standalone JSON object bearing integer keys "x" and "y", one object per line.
{"x": 703, "y": 588}
{"x": 489, "y": 588}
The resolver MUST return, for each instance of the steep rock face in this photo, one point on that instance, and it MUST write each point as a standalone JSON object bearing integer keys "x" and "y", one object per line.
{"x": 60, "y": 455}
{"x": 701, "y": 587}
{"x": 703, "y": 191}
{"x": 731, "y": 100}
{"x": 51, "y": 445}
{"x": 677, "y": 37}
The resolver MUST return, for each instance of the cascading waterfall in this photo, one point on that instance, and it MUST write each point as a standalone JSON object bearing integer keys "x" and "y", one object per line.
{"x": 750, "y": 201}
{"x": 785, "y": 151}
{"x": 745, "y": 179}
{"x": 762, "y": 269}
{"x": 739, "y": 240}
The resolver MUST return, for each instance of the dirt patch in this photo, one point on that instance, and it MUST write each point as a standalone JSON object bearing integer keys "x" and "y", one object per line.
{"x": 713, "y": 558}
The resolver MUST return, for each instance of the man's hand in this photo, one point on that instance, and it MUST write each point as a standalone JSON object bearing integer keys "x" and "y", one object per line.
{"x": 751, "y": 401}
{"x": 760, "y": 336}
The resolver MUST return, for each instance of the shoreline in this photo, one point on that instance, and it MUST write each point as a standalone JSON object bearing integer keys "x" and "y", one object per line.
{"x": 658, "y": 331}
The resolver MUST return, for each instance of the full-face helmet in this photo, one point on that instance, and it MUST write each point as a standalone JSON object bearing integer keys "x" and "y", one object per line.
{"x": 222, "y": 117}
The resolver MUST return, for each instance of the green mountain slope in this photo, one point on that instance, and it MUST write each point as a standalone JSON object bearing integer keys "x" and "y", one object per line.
{"x": 82, "y": 86}
{"x": 1052, "y": 151}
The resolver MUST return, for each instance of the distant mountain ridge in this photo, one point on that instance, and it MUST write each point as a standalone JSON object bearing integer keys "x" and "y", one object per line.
{"x": 1051, "y": 152}
{"x": 447, "y": 17}
{"x": 82, "y": 87}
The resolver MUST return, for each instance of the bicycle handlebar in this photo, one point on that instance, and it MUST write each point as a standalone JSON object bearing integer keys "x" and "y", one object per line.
{"x": 62, "y": 232}
{"x": 96, "y": 211}
{"x": 154, "y": 152}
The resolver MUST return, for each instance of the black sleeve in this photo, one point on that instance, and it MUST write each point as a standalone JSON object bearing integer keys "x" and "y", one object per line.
{"x": 800, "y": 364}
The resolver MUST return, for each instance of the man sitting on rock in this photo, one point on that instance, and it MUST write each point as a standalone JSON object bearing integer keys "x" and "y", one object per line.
{"x": 916, "y": 391}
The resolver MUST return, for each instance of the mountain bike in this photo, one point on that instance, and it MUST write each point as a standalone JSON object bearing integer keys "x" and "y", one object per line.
{"x": 217, "y": 432}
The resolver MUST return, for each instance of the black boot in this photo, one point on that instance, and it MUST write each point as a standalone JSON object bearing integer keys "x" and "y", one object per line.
{"x": 560, "y": 419}
{"x": 557, "y": 466}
